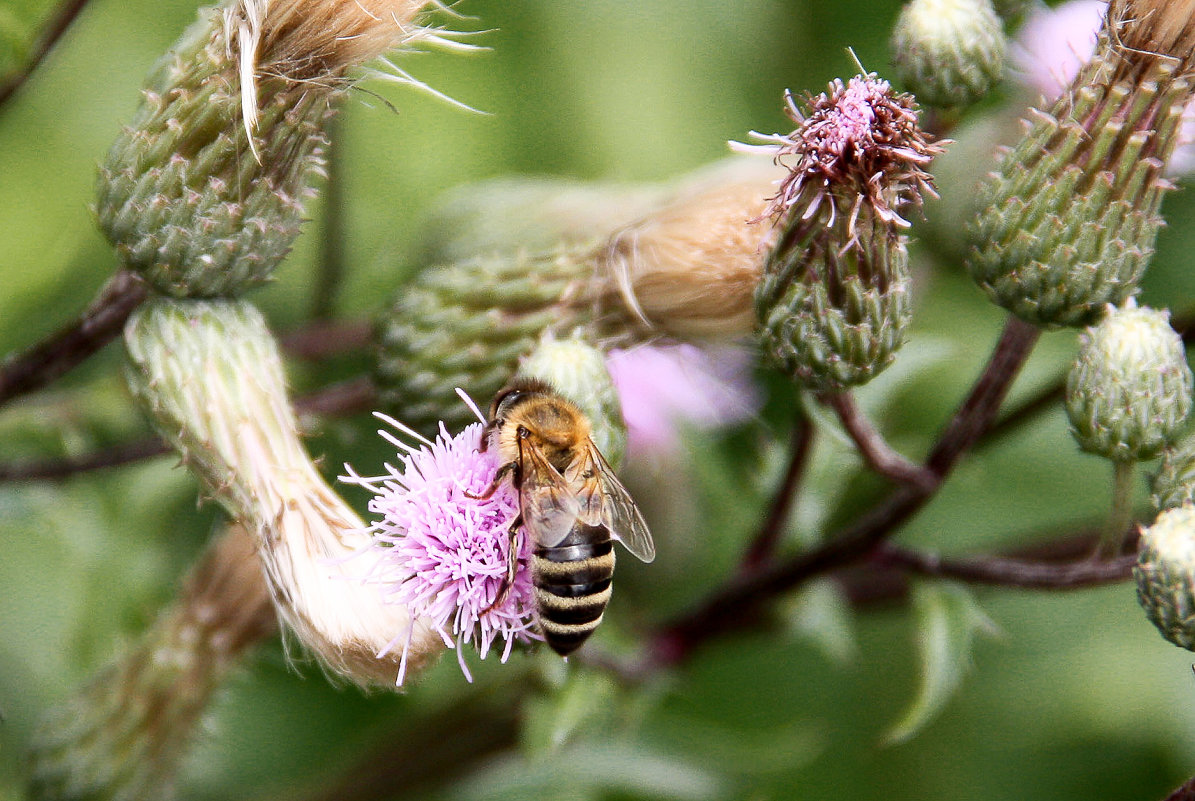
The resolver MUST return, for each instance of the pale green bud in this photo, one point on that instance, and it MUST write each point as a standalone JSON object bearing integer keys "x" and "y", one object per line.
{"x": 210, "y": 376}
{"x": 577, "y": 370}
{"x": 1174, "y": 483}
{"x": 949, "y": 52}
{"x": 1129, "y": 390}
{"x": 1165, "y": 574}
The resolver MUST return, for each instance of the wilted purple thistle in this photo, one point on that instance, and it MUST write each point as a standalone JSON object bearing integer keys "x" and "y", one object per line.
{"x": 857, "y": 142}
{"x": 443, "y": 554}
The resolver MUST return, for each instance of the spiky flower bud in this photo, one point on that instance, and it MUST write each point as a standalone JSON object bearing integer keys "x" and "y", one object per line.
{"x": 124, "y": 735}
{"x": 1072, "y": 211}
{"x": 467, "y": 325}
{"x": 687, "y": 268}
{"x": 577, "y": 370}
{"x": 1129, "y": 389}
{"x": 833, "y": 301}
{"x": 949, "y": 52}
{"x": 210, "y": 376}
{"x": 1174, "y": 483}
{"x": 203, "y": 194}
{"x": 1165, "y": 574}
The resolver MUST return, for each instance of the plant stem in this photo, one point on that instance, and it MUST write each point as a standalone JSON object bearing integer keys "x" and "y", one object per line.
{"x": 1119, "y": 520}
{"x": 875, "y": 450}
{"x": 40, "y": 364}
{"x": 763, "y": 546}
{"x": 330, "y": 273}
{"x": 63, "y": 16}
{"x": 1008, "y": 572}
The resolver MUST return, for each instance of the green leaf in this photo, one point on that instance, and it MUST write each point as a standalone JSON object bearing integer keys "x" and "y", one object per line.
{"x": 948, "y": 618}
{"x": 582, "y": 703}
{"x": 821, "y": 614}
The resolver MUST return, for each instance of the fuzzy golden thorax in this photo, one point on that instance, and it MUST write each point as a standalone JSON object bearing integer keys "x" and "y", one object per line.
{"x": 530, "y": 414}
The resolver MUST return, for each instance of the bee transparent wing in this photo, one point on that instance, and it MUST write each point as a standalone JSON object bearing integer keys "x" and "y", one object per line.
{"x": 547, "y": 502}
{"x": 603, "y": 499}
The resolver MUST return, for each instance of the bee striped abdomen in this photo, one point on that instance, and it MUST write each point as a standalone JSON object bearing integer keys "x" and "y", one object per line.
{"x": 572, "y": 586}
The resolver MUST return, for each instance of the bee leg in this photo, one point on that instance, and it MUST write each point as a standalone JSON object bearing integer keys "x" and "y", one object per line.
{"x": 512, "y": 563}
{"x": 493, "y": 487}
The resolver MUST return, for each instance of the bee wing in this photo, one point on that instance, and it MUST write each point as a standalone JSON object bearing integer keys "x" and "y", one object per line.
{"x": 547, "y": 502}
{"x": 603, "y": 499}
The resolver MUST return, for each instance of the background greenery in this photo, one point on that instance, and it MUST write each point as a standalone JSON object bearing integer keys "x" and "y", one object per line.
{"x": 1076, "y": 698}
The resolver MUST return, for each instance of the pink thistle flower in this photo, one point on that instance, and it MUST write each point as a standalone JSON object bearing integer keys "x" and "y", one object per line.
{"x": 856, "y": 142}
{"x": 662, "y": 387}
{"x": 443, "y": 554}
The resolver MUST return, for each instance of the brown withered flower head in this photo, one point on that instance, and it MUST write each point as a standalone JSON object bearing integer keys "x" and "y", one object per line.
{"x": 856, "y": 142}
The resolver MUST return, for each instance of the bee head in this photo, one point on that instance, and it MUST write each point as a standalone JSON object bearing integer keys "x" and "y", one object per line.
{"x": 517, "y": 392}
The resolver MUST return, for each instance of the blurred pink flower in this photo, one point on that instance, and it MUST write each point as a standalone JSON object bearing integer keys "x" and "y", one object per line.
{"x": 1052, "y": 46}
{"x": 442, "y": 554}
{"x": 663, "y": 387}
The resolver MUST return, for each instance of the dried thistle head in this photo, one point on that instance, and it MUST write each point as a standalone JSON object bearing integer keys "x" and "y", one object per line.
{"x": 857, "y": 142}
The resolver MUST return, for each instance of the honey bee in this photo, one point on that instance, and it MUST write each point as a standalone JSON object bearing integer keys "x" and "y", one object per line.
{"x": 570, "y": 504}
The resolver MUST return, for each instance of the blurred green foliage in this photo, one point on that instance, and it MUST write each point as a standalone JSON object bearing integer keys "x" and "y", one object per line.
{"x": 1078, "y": 697}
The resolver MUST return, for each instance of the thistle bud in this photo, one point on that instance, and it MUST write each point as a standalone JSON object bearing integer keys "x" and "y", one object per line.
{"x": 210, "y": 376}
{"x": 467, "y": 325}
{"x": 203, "y": 194}
{"x": 126, "y": 733}
{"x": 577, "y": 370}
{"x": 1072, "y": 210}
{"x": 1174, "y": 483}
{"x": 1129, "y": 389}
{"x": 1165, "y": 574}
{"x": 833, "y": 301}
{"x": 949, "y": 52}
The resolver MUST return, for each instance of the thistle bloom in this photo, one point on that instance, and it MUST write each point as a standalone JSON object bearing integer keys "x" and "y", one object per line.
{"x": 663, "y": 387}
{"x": 440, "y": 553}
{"x": 832, "y": 304}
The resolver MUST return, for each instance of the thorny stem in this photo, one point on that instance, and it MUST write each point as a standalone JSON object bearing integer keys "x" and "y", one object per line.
{"x": 743, "y": 595}
{"x": 1008, "y": 572}
{"x": 875, "y": 450}
{"x": 38, "y": 365}
{"x": 64, "y": 15}
{"x": 1121, "y": 516}
{"x": 764, "y": 545}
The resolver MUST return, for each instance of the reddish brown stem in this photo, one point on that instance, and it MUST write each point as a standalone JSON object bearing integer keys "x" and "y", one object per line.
{"x": 1009, "y": 572}
{"x": 764, "y": 545}
{"x": 875, "y": 450}
{"x": 64, "y": 15}
{"x": 103, "y": 321}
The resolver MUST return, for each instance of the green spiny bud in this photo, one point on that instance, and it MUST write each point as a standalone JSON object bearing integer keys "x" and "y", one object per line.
{"x": 1072, "y": 210}
{"x": 1174, "y": 483}
{"x": 1129, "y": 389}
{"x": 467, "y": 325}
{"x": 833, "y": 301}
{"x": 1165, "y": 574}
{"x": 577, "y": 370}
{"x": 949, "y": 52}
{"x": 210, "y": 376}
{"x": 202, "y": 194}
{"x": 125, "y": 734}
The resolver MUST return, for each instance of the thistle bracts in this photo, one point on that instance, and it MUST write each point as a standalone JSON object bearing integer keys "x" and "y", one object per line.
{"x": 949, "y": 53}
{"x": 1072, "y": 210}
{"x": 577, "y": 370}
{"x": 210, "y": 376}
{"x": 1174, "y": 483}
{"x": 1129, "y": 390}
{"x": 1165, "y": 574}
{"x": 203, "y": 194}
{"x": 467, "y": 325}
{"x": 125, "y": 734}
{"x": 833, "y": 303}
